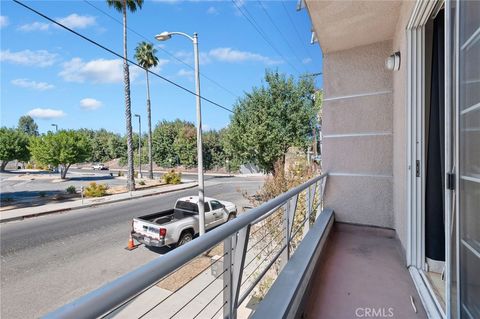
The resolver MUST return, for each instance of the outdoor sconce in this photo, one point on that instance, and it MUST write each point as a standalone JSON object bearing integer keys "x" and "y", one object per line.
{"x": 392, "y": 63}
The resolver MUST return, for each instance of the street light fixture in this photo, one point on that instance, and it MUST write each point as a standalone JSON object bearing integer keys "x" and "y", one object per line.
{"x": 201, "y": 196}
{"x": 56, "y": 127}
{"x": 139, "y": 145}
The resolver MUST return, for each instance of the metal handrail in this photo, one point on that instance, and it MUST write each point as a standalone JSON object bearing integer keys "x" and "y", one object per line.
{"x": 102, "y": 300}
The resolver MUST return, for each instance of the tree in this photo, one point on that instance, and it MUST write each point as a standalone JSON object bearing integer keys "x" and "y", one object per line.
{"x": 145, "y": 56}
{"x": 185, "y": 145}
{"x": 164, "y": 137}
{"x": 63, "y": 148}
{"x": 213, "y": 151}
{"x": 27, "y": 125}
{"x": 122, "y": 6}
{"x": 13, "y": 146}
{"x": 270, "y": 119}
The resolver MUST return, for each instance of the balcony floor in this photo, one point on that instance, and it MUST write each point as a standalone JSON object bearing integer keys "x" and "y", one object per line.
{"x": 361, "y": 274}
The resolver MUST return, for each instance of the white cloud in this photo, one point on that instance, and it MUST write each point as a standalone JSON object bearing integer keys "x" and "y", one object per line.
{"x": 34, "y": 26}
{"x": 40, "y": 58}
{"x": 90, "y": 104}
{"x": 234, "y": 56}
{"x": 3, "y": 21}
{"x": 161, "y": 63}
{"x": 306, "y": 61}
{"x": 238, "y": 4}
{"x": 213, "y": 11}
{"x": 46, "y": 114}
{"x": 25, "y": 83}
{"x": 75, "y": 21}
{"x": 96, "y": 71}
{"x": 185, "y": 73}
{"x": 187, "y": 57}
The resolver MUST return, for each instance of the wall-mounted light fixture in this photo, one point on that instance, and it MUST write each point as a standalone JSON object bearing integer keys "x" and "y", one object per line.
{"x": 392, "y": 63}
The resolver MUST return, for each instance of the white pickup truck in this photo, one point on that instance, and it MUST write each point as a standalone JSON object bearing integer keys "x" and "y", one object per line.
{"x": 177, "y": 226}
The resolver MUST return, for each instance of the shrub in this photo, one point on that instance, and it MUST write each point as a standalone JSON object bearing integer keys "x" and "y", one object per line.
{"x": 120, "y": 173}
{"x": 71, "y": 189}
{"x": 96, "y": 190}
{"x": 29, "y": 166}
{"x": 141, "y": 183}
{"x": 172, "y": 177}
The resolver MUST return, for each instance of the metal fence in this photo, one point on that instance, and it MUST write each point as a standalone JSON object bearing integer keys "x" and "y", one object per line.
{"x": 215, "y": 275}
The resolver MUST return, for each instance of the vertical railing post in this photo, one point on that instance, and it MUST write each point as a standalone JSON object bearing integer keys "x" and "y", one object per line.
{"x": 237, "y": 246}
{"x": 286, "y": 231}
{"x": 320, "y": 198}
{"x": 239, "y": 255}
{"x": 310, "y": 195}
{"x": 227, "y": 277}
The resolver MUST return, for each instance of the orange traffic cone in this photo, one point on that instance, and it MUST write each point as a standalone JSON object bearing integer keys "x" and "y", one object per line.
{"x": 131, "y": 243}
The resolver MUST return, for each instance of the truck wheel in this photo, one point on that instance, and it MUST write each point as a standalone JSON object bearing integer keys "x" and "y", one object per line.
{"x": 185, "y": 237}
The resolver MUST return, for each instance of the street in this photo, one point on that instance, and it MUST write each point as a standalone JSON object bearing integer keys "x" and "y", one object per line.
{"x": 51, "y": 260}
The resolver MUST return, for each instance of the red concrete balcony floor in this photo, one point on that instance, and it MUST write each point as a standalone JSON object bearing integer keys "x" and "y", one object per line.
{"x": 362, "y": 275}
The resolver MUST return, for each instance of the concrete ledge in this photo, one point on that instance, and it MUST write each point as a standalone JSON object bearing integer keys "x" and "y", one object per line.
{"x": 285, "y": 297}
{"x": 22, "y": 213}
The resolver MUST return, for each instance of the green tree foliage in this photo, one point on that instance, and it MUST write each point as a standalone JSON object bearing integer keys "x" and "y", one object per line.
{"x": 213, "y": 151}
{"x": 13, "y": 146}
{"x": 63, "y": 148}
{"x": 272, "y": 118}
{"x": 27, "y": 125}
{"x": 164, "y": 137}
{"x": 185, "y": 145}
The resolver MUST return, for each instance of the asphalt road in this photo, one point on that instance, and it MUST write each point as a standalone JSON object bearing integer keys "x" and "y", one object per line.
{"x": 51, "y": 260}
{"x": 50, "y": 184}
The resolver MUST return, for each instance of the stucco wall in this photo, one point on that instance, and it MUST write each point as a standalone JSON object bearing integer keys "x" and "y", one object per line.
{"x": 400, "y": 126}
{"x": 358, "y": 134}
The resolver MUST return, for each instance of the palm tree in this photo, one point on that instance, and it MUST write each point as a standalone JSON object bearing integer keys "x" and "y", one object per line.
{"x": 122, "y": 6}
{"x": 145, "y": 56}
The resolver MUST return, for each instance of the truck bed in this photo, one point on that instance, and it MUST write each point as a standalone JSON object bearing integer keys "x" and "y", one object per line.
{"x": 166, "y": 216}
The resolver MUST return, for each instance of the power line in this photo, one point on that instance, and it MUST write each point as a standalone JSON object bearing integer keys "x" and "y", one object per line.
{"x": 295, "y": 28}
{"x": 162, "y": 49}
{"x": 258, "y": 29}
{"x": 120, "y": 56}
{"x": 279, "y": 31}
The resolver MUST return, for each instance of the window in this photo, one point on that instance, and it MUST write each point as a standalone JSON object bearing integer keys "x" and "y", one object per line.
{"x": 191, "y": 207}
{"x": 216, "y": 205}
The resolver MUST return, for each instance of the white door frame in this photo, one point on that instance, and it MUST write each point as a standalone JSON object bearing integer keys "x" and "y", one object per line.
{"x": 422, "y": 11}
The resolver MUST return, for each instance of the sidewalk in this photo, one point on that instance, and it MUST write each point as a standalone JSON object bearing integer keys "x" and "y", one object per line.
{"x": 21, "y": 213}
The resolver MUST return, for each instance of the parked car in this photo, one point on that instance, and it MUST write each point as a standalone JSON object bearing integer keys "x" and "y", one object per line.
{"x": 177, "y": 226}
{"x": 100, "y": 167}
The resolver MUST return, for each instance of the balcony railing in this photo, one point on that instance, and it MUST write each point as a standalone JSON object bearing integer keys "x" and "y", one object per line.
{"x": 255, "y": 244}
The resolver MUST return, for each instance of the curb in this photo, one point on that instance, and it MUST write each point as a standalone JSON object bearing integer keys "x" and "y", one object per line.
{"x": 61, "y": 210}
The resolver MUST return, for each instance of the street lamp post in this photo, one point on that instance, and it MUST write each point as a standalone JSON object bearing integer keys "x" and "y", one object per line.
{"x": 201, "y": 195}
{"x": 139, "y": 145}
{"x": 56, "y": 127}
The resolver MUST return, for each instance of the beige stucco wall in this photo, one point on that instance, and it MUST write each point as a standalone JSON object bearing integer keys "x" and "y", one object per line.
{"x": 400, "y": 126}
{"x": 358, "y": 134}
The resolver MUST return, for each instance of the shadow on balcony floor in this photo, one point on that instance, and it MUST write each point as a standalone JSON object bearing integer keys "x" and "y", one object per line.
{"x": 362, "y": 275}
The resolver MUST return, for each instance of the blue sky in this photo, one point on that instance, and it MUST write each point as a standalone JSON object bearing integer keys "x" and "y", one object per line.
{"x": 56, "y": 77}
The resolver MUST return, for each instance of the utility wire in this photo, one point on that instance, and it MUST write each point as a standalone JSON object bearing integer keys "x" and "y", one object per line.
{"x": 296, "y": 30}
{"x": 120, "y": 56}
{"x": 257, "y": 27}
{"x": 162, "y": 49}
{"x": 280, "y": 32}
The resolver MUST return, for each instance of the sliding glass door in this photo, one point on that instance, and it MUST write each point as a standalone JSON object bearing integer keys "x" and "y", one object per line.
{"x": 468, "y": 157}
